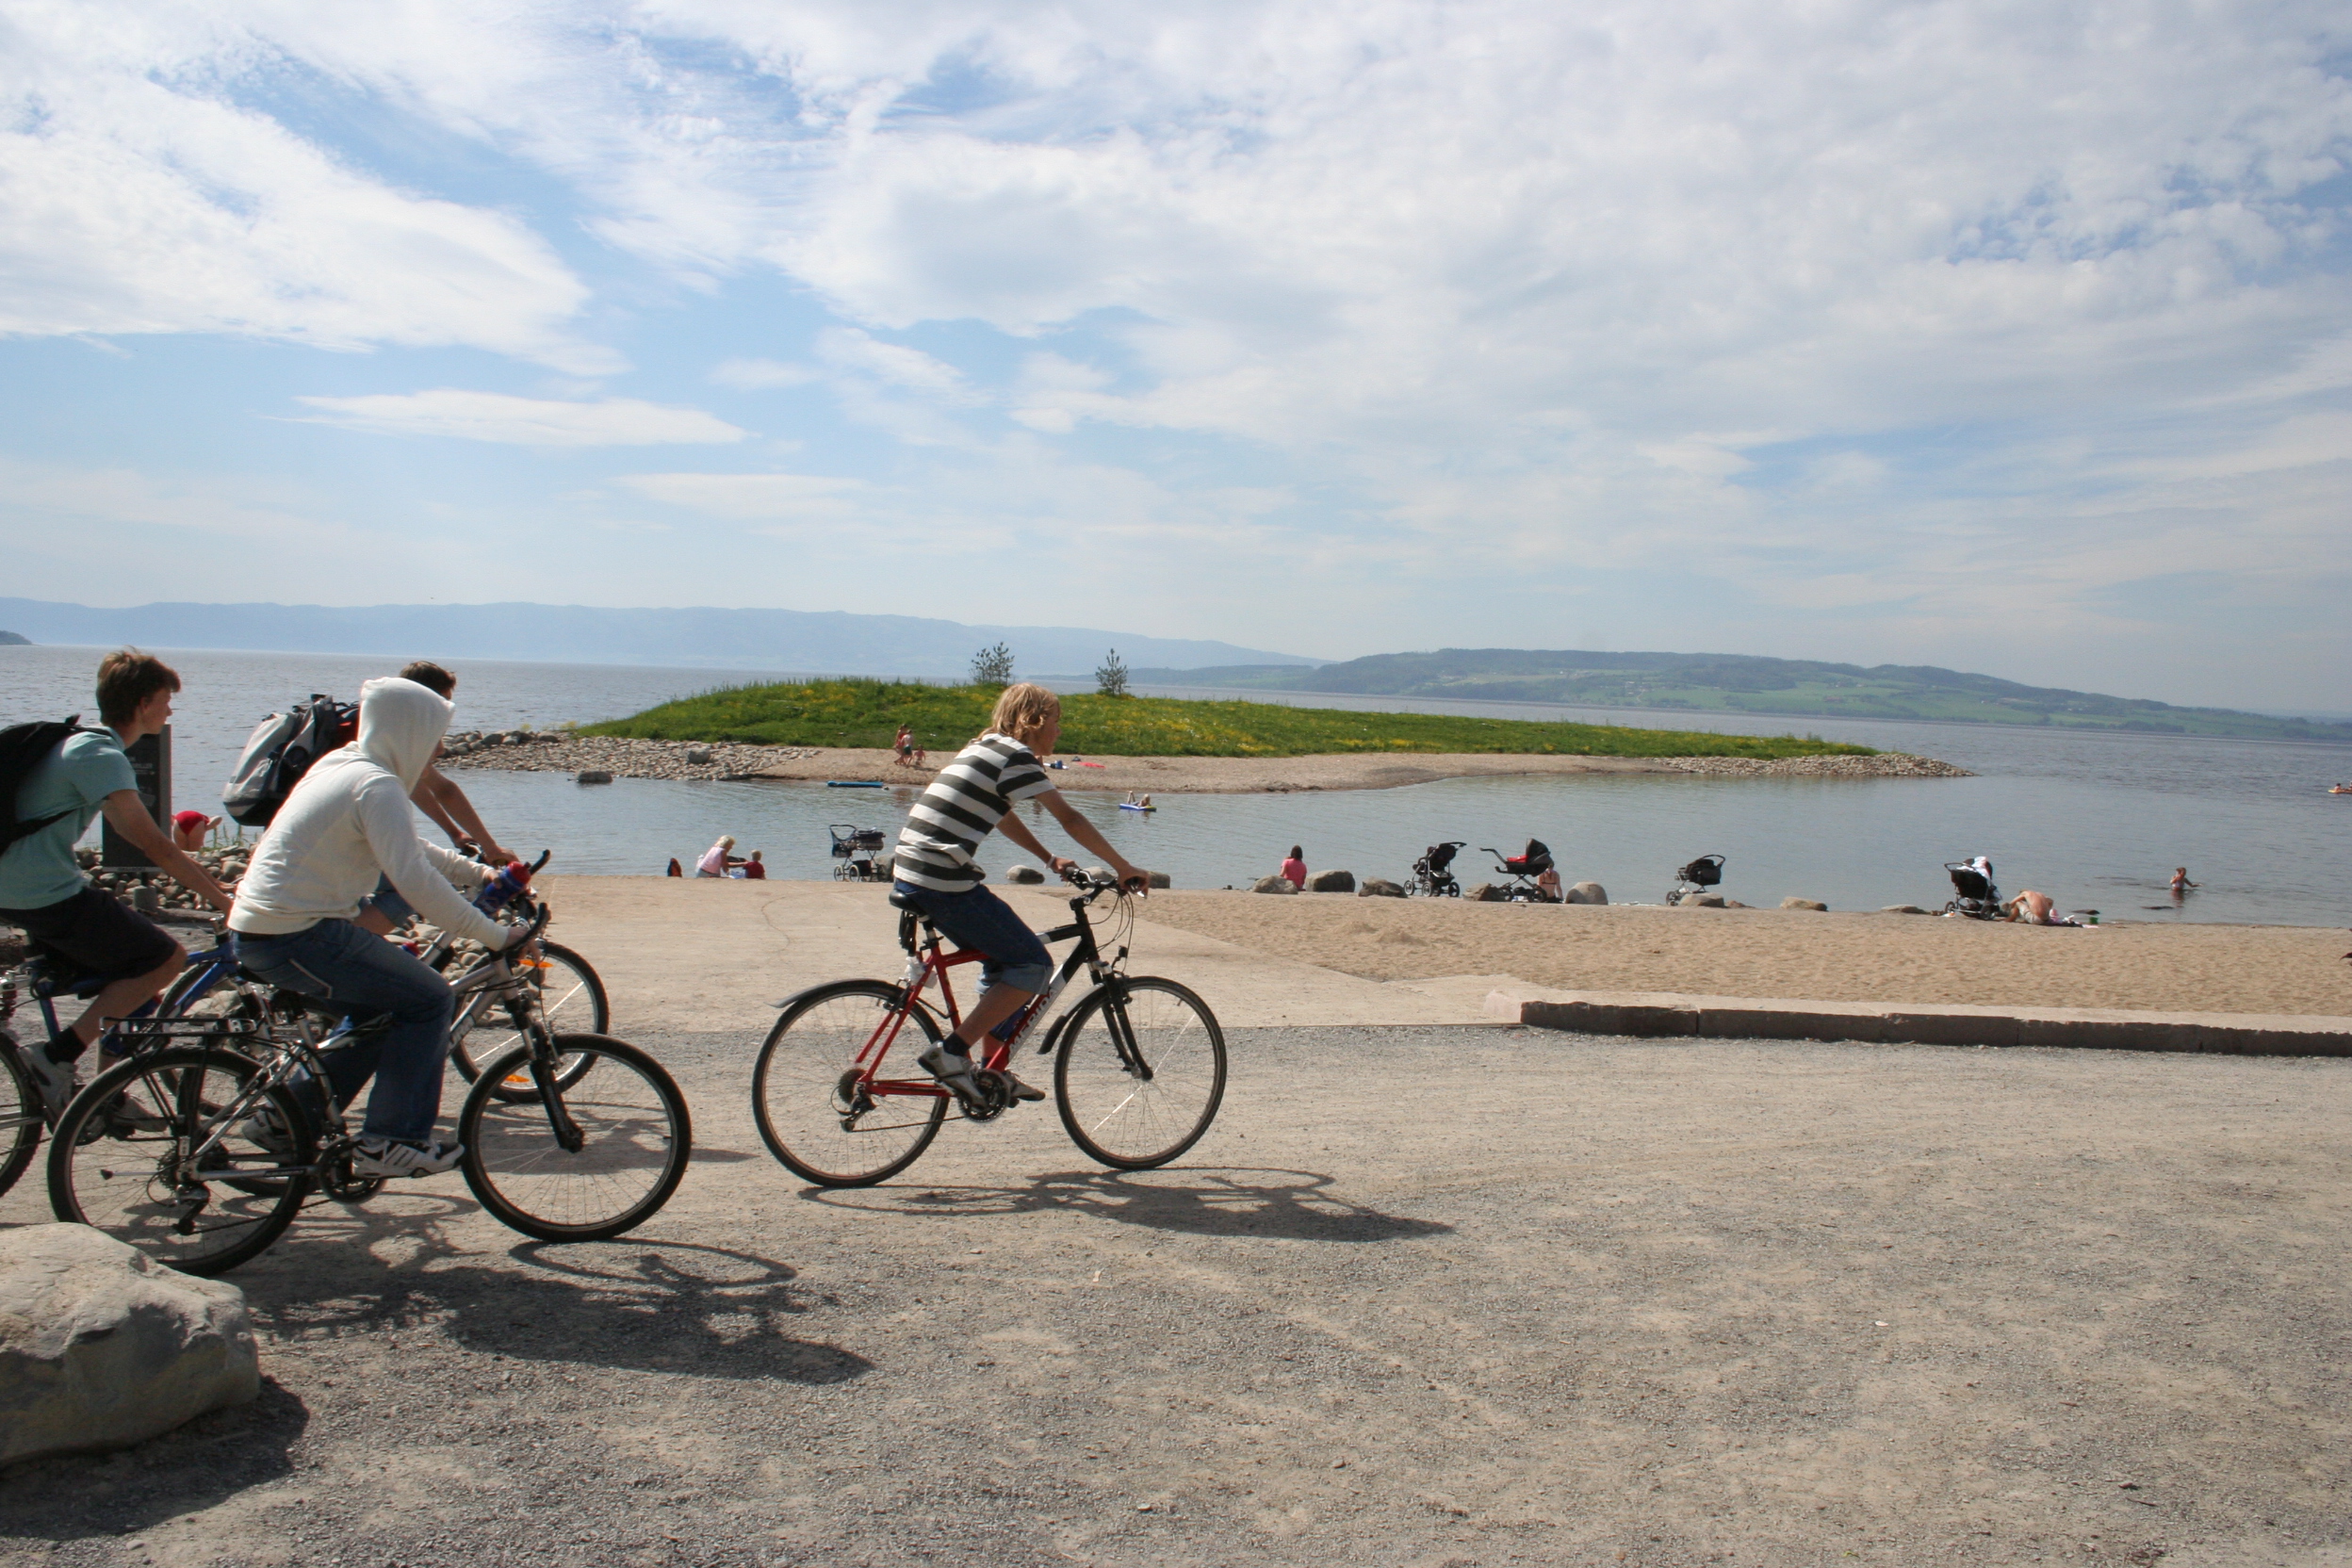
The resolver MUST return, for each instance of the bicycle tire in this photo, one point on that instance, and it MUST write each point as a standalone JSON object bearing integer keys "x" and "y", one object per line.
{"x": 796, "y": 1090}
{"x": 584, "y": 989}
{"x": 638, "y": 1140}
{"x": 22, "y": 1121}
{"x": 1114, "y": 1116}
{"x": 132, "y": 1184}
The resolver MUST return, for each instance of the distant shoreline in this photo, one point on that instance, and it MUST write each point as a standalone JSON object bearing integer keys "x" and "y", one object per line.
{"x": 1157, "y": 776}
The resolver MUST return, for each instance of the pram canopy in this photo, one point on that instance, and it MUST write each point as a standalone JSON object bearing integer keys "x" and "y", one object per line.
{"x": 1535, "y": 859}
{"x": 1970, "y": 884}
{"x": 1706, "y": 871}
{"x": 1441, "y": 855}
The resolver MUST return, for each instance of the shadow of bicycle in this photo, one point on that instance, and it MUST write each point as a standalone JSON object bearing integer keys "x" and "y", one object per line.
{"x": 1290, "y": 1205}
{"x": 635, "y": 1304}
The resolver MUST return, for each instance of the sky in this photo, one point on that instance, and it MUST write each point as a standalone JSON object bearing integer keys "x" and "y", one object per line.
{"x": 2008, "y": 337}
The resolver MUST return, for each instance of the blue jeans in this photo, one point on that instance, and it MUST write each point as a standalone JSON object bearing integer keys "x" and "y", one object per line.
{"x": 336, "y": 962}
{"x": 982, "y": 923}
{"x": 387, "y": 902}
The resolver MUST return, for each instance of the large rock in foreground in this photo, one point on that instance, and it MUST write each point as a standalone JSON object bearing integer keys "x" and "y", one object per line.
{"x": 1588, "y": 892}
{"x": 1273, "y": 885}
{"x": 101, "y": 1346}
{"x": 1331, "y": 882}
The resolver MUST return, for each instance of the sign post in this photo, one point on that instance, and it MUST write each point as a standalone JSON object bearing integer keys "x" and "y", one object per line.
{"x": 151, "y": 766}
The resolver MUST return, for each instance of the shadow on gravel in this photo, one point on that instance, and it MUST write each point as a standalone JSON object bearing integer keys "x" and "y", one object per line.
{"x": 185, "y": 1470}
{"x": 633, "y": 1303}
{"x": 1291, "y": 1206}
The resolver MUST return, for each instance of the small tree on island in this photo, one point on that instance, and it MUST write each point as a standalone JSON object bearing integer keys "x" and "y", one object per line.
{"x": 1110, "y": 677}
{"x": 992, "y": 666}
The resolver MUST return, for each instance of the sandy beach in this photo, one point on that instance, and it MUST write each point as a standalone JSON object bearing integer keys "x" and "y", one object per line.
{"x": 1779, "y": 952}
{"x": 628, "y": 759}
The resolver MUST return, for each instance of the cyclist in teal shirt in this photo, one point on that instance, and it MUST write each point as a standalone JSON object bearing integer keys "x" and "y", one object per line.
{"x": 42, "y": 890}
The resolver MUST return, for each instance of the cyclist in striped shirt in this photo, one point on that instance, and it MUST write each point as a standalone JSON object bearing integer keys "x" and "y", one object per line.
{"x": 934, "y": 870}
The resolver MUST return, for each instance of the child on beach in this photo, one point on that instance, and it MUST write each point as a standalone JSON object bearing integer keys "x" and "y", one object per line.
{"x": 1295, "y": 869}
{"x": 934, "y": 870}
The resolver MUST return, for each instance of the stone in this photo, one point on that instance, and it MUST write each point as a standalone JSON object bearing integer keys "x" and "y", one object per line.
{"x": 1588, "y": 892}
{"x": 1159, "y": 878}
{"x": 102, "y": 1346}
{"x": 1272, "y": 884}
{"x": 1379, "y": 886}
{"x": 1485, "y": 892}
{"x": 1331, "y": 882}
{"x": 594, "y": 776}
{"x": 1902, "y": 910}
{"x": 1706, "y": 901}
{"x": 697, "y": 756}
{"x": 1024, "y": 874}
{"x": 1802, "y": 904}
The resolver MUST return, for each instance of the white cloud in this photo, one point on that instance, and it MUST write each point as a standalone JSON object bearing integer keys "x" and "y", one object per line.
{"x": 464, "y": 415}
{"x": 748, "y": 497}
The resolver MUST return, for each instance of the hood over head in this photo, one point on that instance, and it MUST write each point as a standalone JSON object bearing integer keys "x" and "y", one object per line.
{"x": 399, "y": 724}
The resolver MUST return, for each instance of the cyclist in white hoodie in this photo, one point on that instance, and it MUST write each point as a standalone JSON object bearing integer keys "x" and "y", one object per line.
{"x": 345, "y": 825}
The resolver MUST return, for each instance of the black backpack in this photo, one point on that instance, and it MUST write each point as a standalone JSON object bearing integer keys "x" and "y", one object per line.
{"x": 283, "y": 747}
{"x": 22, "y": 748}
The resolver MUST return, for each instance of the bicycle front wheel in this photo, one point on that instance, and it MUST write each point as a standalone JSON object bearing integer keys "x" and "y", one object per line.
{"x": 1140, "y": 1073}
{"x": 817, "y": 1109}
{"x": 20, "y": 1115}
{"x": 578, "y": 1163}
{"x": 567, "y": 996}
{"x": 178, "y": 1153}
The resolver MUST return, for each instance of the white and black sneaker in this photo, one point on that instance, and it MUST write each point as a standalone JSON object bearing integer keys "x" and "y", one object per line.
{"x": 55, "y": 1079}
{"x": 952, "y": 1068}
{"x": 1021, "y": 1090}
{"x": 393, "y": 1157}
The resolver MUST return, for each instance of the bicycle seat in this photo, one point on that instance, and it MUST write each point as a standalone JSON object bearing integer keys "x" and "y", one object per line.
{"x": 54, "y": 974}
{"x": 900, "y": 901}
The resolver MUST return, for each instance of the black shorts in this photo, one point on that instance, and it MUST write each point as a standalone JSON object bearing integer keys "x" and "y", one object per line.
{"x": 98, "y": 931}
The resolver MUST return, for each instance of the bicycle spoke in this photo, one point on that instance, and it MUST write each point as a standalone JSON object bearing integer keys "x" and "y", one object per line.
{"x": 820, "y": 1107}
{"x": 1131, "y": 1118}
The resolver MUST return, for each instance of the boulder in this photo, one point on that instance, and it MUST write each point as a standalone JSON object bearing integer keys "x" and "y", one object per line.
{"x": 1379, "y": 886}
{"x": 1331, "y": 882}
{"x": 593, "y": 776}
{"x": 102, "y": 1346}
{"x": 697, "y": 756}
{"x": 1902, "y": 910}
{"x": 1272, "y": 884}
{"x": 1802, "y": 904}
{"x": 1588, "y": 892}
{"x": 1485, "y": 892}
{"x": 1706, "y": 901}
{"x": 1024, "y": 874}
{"x": 1159, "y": 878}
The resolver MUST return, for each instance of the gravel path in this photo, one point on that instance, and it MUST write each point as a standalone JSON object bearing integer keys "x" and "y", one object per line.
{"x": 1429, "y": 1296}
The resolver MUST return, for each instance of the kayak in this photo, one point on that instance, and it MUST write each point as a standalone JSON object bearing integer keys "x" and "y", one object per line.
{"x": 853, "y": 783}
{"x": 1124, "y": 806}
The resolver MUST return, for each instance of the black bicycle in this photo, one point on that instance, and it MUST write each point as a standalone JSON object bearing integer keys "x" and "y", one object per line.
{"x": 1139, "y": 1062}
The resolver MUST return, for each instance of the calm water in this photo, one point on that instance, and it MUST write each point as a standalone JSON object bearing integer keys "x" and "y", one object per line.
{"x": 2096, "y": 820}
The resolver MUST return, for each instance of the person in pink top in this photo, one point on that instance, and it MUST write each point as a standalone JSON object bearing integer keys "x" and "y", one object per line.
{"x": 1295, "y": 869}
{"x": 715, "y": 859}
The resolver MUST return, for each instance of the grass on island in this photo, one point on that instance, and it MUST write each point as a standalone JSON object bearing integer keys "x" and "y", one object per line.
{"x": 868, "y": 713}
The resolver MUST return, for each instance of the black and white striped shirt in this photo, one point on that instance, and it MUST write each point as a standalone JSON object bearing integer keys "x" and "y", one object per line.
{"x": 966, "y": 800}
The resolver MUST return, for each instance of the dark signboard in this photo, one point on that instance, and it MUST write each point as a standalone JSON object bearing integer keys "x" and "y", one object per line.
{"x": 150, "y": 764}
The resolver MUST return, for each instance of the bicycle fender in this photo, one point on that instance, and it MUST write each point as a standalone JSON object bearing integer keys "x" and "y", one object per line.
{"x": 896, "y": 989}
{"x": 1054, "y": 1031}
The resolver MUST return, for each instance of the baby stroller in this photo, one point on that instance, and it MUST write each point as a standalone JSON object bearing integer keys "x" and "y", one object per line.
{"x": 1700, "y": 875}
{"x": 854, "y": 852}
{"x": 1522, "y": 869}
{"x": 1974, "y": 895}
{"x": 1432, "y": 874}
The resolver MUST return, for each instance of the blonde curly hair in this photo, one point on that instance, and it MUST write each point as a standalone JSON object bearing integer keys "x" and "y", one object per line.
{"x": 1024, "y": 707}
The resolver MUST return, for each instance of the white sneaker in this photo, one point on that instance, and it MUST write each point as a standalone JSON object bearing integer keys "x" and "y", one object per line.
{"x": 391, "y": 1157}
{"x": 54, "y": 1079}
{"x": 952, "y": 1068}
{"x": 266, "y": 1130}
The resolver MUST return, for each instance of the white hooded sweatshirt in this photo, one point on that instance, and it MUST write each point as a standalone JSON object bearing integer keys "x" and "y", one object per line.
{"x": 349, "y": 819}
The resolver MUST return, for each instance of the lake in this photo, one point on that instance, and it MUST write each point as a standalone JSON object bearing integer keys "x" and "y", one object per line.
{"x": 2098, "y": 820}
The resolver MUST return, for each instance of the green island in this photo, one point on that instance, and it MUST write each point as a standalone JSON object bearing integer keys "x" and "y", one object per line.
{"x": 868, "y": 713}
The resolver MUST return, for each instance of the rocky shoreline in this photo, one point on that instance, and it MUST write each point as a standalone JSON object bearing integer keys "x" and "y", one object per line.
{"x": 587, "y": 757}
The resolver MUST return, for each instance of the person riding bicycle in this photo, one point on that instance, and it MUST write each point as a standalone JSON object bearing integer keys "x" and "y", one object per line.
{"x": 347, "y": 823}
{"x": 934, "y": 870}
{"x": 42, "y": 890}
{"x": 438, "y": 797}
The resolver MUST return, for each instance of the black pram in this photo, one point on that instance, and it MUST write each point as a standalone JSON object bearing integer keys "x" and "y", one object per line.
{"x": 1432, "y": 874}
{"x": 1973, "y": 893}
{"x": 1522, "y": 869}
{"x": 1695, "y": 878}
{"x": 853, "y": 853}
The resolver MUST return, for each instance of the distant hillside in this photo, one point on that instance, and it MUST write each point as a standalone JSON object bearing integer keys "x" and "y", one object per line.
{"x": 819, "y": 642}
{"x": 1736, "y": 684}
{"x": 11, "y": 640}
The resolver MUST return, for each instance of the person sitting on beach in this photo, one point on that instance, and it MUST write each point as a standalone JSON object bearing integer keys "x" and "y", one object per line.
{"x": 755, "y": 869}
{"x": 1547, "y": 886}
{"x": 1295, "y": 869}
{"x": 676, "y": 869}
{"x": 189, "y": 830}
{"x": 716, "y": 860}
{"x": 934, "y": 870}
{"x": 2033, "y": 908}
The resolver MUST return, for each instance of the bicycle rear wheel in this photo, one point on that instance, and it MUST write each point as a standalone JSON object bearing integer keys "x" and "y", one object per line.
{"x": 1140, "y": 1073}
{"x": 634, "y": 1145}
{"x": 20, "y": 1115}
{"x": 130, "y": 1157}
{"x": 816, "y": 1113}
{"x": 567, "y": 997}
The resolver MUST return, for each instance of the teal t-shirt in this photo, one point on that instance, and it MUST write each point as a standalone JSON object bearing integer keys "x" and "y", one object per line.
{"x": 39, "y": 870}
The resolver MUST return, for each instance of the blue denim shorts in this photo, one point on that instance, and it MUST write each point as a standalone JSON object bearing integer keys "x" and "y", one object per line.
{"x": 982, "y": 923}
